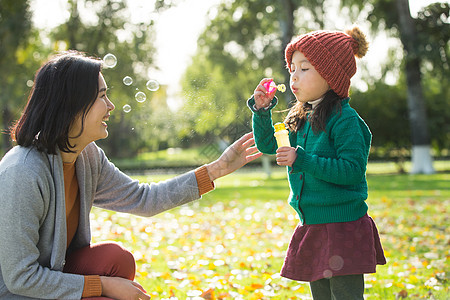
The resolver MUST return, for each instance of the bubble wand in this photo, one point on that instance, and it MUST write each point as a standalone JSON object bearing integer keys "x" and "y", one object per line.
{"x": 272, "y": 86}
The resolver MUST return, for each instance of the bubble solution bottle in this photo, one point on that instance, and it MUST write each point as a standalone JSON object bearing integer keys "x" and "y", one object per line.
{"x": 282, "y": 135}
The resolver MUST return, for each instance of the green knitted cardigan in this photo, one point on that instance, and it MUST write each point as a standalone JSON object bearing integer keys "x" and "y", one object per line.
{"x": 327, "y": 180}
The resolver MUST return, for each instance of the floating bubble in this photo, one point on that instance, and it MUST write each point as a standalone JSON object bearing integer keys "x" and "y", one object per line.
{"x": 127, "y": 80}
{"x": 152, "y": 85}
{"x": 140, "y": 97}
{"x": 327, "y": 274}
{"x": 126, "y": 108}
{"x": 110, "y": 60}
{"x": 336, "y": 262}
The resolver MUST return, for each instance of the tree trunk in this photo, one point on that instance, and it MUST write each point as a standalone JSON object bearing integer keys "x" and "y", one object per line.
{"x": 7, "y": 118}
{"x": 421, "y": 154}
{"x": 72, "y": 24}
{"x": 287, "y": 28}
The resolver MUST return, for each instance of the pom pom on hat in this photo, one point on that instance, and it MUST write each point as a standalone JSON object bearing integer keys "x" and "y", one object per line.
{"x": 332, "y": 53}
{"x": 360, "y": 44}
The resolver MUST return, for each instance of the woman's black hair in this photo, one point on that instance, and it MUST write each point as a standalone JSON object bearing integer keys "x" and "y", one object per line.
{"x": 64, "y": 88}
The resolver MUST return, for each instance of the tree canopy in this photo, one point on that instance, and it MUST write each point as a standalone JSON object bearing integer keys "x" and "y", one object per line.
{"x": 243, "y": 42}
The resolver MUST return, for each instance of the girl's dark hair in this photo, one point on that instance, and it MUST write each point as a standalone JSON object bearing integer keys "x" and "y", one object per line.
{"x": 64, "y": 88}
{"x": 301, "y": 112}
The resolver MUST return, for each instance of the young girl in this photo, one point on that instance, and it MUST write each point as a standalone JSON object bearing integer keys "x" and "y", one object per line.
{"x": 51, "y": 180}
{"x": 336, "y": 242}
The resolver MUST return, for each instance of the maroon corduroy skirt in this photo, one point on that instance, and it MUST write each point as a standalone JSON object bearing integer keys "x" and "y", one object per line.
{"x": 333, "y": 249}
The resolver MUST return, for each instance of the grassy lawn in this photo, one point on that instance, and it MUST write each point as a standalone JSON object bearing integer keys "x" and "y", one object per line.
{"x": 231, "y": 243}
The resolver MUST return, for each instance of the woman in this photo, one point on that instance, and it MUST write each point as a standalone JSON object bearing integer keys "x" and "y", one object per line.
{"x": 51, "y": 180}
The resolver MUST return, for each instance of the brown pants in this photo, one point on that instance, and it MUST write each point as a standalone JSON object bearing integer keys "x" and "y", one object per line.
{"x": 104, "y": 259}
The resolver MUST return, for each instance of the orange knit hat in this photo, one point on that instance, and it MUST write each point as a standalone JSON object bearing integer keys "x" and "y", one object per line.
{"x": 332, "y": 55}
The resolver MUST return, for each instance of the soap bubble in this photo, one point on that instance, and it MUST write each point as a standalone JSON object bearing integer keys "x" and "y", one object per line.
{"x": 127, "y": 80}
{"x": 110, "y": 61}
{"x": 140, "y": 97}
{"x": 152, "y": 85}
{"x": 126, "y": 108}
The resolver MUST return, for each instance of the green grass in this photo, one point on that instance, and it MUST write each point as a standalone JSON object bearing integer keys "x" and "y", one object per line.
{"x": 232, "y": 242}
{"x": 172, "y": 157}
{"x": 194, "y": 156}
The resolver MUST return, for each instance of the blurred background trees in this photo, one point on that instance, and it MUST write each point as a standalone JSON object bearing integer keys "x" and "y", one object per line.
{"x": 243, "y": 42}
{"x": 420, "y": 45}
{"x": 15, "y": 30}
{"x": 246, "y": 39}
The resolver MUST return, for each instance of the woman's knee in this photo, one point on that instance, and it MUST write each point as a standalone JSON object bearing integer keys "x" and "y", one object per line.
{"x": 122, "y": 261}
{"x": 105, "y": 258}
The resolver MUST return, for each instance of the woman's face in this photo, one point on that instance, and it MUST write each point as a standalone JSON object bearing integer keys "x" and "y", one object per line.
{"x": 95, "y": 127}
{"x": 306, "y": 83}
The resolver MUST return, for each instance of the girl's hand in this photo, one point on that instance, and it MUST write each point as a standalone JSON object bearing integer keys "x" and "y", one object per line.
{"x": 262, "y": 96}
{"x": 235, "y": 156}
{"x": 122, "y": 289}
{"x": 286, "y": 156}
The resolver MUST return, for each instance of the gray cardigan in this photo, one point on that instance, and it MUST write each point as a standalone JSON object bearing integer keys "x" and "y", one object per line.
{"x": 33, "y": 222}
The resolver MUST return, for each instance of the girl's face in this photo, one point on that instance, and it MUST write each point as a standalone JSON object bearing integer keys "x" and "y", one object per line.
{"x": 95, "y": 127}
{"x": 306, "y": 83}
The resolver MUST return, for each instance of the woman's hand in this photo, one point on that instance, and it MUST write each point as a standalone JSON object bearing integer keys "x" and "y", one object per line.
{"x": 234, "y": 157}
{"x": 122, "y": 289}
{"x": 262, "y": 96}
{"x": 286, "y": 156}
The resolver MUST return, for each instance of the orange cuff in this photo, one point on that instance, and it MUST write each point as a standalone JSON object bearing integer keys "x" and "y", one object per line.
{"x": 205, "y": 184}
{"x": 92, "y": 286}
